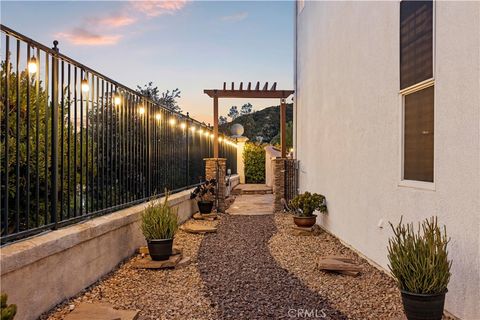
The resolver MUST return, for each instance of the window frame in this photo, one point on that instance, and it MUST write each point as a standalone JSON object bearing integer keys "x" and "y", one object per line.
{"x": 416, "y": 184}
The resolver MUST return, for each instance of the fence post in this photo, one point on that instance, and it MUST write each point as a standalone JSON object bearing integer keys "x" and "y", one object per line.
{"x": 149, "y": 148}
{"x": 54, "y": 168}
{"x": 188, "y": 151}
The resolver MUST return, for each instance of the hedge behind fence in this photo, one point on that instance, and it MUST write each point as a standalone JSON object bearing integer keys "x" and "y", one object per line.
{"x": 254, "y": 160}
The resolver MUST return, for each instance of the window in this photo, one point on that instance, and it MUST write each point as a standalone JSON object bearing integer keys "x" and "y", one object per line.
{"x": 418, "y": 136}
{"x": 417, "y": 89}
{"x": 416, "y": 42}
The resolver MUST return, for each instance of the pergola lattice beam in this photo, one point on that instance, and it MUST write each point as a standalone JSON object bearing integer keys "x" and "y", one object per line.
{"x": 265, "y": 93}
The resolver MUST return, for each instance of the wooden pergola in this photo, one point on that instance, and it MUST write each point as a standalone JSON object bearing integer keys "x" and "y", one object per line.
{"x": 255, "y": 93}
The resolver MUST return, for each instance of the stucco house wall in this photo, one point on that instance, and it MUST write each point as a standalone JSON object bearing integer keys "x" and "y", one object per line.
{"x": 348, "y": 130}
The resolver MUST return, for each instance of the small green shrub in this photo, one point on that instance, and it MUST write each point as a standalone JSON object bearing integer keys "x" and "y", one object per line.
{"x": 306, "y": 203}
{"x": 159, "y": 220}
{"x": 254, "y": 160}
{"x": 7, "y": 312}
{"x": 419, "y": 261}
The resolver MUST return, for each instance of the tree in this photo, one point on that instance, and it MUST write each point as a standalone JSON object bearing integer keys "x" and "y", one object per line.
{"x": 247, "y": 108}
{"x": 167, "y": 98}
{"x": 289, "y": 136}
{"x": 233, "y": 112}
{"x": 222, "y": 120}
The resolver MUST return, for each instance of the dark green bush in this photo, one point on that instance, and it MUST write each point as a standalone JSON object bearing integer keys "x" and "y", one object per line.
{"x": 254, "y": 160}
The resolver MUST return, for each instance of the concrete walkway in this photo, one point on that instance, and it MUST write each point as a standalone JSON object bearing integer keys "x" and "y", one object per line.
{"x": 252, "y": 205}
{"x": 251, "y": 188}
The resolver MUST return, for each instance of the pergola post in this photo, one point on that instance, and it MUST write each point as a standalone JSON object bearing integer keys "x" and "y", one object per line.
{"x": 283, "y": 127}
{"x": 215, "y": 126}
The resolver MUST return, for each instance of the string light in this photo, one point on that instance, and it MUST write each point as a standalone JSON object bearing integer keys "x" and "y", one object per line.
{"x": 206, "y": 133}
{"x": 193, "y": 128}
{"x": 183, "y": 125}
{"x": 158, "y": 116}
{"x": 85, "y": 86}
{"x": 211, "y": 135}
{"x": 32, "y": 65}
{"x": 220, "y": 139}
{"x": 117, "y": 100}
{"x": 172, "y": 121}
{"x": 141, "y": 110}
{"x": 200, "y": 131}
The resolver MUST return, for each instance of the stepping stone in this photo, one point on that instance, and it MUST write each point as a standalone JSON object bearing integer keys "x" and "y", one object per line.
{"x": 207, "y": 216}
{"x": 100, "y": 311}
{"x": 198, "y": 228}
{"x": 144, "y": 250}
{"x": 339, "y": 266}
{"x": 301, "y": 231}
{"x": 342, "y": 259}
{"x": 148, "y": 263}
{"x": 184, "y": 262}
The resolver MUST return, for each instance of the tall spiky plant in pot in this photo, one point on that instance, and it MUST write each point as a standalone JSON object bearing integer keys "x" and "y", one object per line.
{"x": 159, "y": 225}
{"x": 419, "y": 262}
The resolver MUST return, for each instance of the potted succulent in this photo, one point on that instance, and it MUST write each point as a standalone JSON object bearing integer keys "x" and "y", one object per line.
{"x": 204, "y": 194}
{"x": 303, "y": 206}
{"x": 7, "y": 311}
{"x": 159, "y": 224}
{"x": 419, "y": 262}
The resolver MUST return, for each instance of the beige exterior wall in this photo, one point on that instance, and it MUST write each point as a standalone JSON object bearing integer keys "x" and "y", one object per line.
{"x": 39, "y": 272}
{"x": 348, "y": 130}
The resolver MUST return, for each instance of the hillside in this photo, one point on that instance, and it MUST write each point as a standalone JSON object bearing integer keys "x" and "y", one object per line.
{"x": 262, "y": 125}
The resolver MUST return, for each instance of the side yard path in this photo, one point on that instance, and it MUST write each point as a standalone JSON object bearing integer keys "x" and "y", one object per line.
{"x": 245, "y": 282}
{"x": 252, "y": 268}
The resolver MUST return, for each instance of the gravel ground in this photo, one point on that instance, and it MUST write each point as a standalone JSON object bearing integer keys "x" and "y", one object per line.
{"x": 371, "y": 295}
{"x": 252, "y": 268}
{"x": 244, "y": 281}
{"x": 159, "y": 294}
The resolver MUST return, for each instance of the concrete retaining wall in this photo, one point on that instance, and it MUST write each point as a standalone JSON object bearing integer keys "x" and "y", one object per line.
{"x": 40, "y": 272}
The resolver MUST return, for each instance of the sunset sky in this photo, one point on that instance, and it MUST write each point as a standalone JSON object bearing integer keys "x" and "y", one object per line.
{"x": 192, "y": 45}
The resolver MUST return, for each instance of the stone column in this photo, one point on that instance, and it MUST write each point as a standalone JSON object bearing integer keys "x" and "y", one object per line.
{"x": 278, "y": 166}
{"x": 215, "y": 168}
{"x": 240, "y": 163}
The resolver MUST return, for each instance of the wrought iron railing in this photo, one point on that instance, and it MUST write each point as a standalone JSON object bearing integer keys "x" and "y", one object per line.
{"x": 76, "y": 144}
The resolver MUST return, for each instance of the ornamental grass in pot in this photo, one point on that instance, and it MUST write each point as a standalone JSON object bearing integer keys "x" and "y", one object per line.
{"x": 419, "y": 262}
{"x": 303, "y": 206}
{"x": 159, "y": 225}
{"x": 204, "y": 194}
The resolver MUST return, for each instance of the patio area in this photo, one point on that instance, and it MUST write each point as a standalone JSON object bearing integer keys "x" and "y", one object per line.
{"x": 253, "y": 267}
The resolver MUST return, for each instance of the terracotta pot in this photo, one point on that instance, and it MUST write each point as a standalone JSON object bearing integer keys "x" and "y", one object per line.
{"x": 305, "y": 222}
{"x": 423, "y": 306}
{"x": 160, "y": 249}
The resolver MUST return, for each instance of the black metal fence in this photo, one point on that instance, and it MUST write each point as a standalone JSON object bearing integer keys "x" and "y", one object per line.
{"x": 75, "y": 143}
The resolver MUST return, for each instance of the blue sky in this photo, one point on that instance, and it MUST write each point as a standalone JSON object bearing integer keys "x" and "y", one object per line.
{"x": 192, "y": 45}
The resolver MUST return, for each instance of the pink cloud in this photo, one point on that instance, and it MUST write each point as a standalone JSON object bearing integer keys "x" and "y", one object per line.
{"x": 112, "y": 21}
{"x": 154, "y": 8}
{"x": 80, "y": 36}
